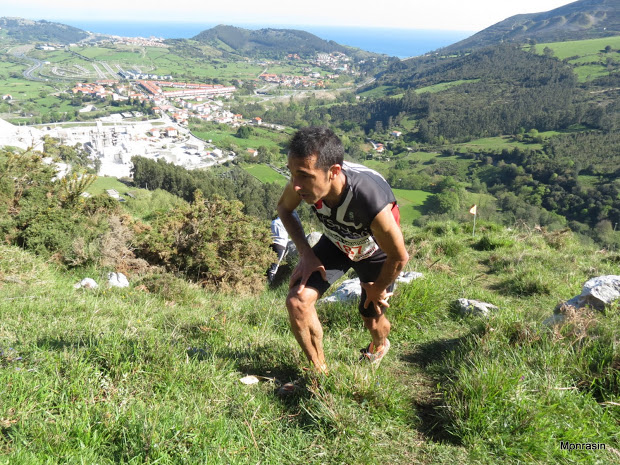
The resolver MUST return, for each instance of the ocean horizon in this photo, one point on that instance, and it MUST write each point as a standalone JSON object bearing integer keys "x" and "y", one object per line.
{"x": 401, "y": 43}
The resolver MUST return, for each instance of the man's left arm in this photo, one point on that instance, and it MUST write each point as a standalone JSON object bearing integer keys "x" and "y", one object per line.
{"x": 389, "y": 237}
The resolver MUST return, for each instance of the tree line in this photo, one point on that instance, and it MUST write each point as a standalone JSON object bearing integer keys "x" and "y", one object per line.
{"x": 258, "y": 199}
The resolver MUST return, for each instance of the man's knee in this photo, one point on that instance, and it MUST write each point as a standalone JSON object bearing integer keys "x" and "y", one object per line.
{"x": 300, "y": 303}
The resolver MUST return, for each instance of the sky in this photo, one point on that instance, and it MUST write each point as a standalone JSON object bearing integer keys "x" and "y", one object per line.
{"x": 456, "y": 15}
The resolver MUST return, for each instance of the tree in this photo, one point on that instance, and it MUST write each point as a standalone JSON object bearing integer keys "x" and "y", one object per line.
{"x": 244, "y": 132}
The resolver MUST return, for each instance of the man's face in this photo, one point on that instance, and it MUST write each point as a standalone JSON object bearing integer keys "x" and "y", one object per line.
{"x": 311, "y": 183}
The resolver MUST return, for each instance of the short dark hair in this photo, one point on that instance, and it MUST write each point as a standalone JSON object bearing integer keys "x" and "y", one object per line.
{"x": 320, "y": 141}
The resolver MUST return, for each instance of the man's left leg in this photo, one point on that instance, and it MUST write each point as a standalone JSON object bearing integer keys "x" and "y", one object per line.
{"x": 374, "y": 319}
{"x": 379, "y": 327}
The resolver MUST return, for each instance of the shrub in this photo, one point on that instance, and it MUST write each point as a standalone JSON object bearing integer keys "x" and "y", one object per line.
{"x": 487, "y": 243}
{"x": 211, "y": 242}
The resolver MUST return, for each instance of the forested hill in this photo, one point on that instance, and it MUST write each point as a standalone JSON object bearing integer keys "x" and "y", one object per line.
{"x": 268, "y": 42}
{"x": 26, "y": 30}
{"x": 584, "y": 19}
{"x": 494, "y": 91}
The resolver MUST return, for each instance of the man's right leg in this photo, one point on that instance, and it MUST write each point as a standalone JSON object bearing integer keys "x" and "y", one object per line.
{"x": 301, "y": 310}
{"x": 306, "y": 326}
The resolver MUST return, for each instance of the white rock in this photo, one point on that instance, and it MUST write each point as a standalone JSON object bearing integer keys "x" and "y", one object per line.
{"x": 475, "y": 307}
{"x": 597, "y": 293}
{"x": 86, "y": 283}
{"x": 349, "y": 290}
{"x": 601, "y": 291}
{"x": 117, "y": 280}
{"x": 249, "y": 379}
{"x": 408, "y": 276}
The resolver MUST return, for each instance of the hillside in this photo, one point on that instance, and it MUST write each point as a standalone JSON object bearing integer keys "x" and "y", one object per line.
{"x": 583, "y": 19}
{"x": 25, "y": 30}
{"x": 268, "y": 42}
{"x": 151, "y": 373}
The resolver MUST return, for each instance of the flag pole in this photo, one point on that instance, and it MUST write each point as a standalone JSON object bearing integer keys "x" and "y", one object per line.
{"x": 473, "y": 232}
{"x": 474, "y": 211}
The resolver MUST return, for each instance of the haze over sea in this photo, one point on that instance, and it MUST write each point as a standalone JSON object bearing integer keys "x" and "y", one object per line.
{"x": 401, "y": 43}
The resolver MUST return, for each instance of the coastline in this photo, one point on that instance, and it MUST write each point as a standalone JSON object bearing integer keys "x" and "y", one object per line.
{"x": 401, "y": 43}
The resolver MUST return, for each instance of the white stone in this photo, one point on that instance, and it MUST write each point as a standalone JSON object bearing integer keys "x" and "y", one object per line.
{"x": 596, "y": 293}
{"x": 117, "y": 280}
{"x": 408, "y": 276}
{"x": 475, "y": 307}
{"x": 86, "y": 283}
{"x": 351, "y": 289}
{"x": 601, "y": 291}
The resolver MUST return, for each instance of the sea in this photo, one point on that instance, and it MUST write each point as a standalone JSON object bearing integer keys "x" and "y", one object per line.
{"x": 401, "y": 43}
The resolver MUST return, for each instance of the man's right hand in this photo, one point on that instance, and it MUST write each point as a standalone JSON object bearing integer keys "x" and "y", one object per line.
{"x": 308, "y": 264}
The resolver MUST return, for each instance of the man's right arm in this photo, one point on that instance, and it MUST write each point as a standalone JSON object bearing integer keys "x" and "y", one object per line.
{"x": 308, "y": 262}
{"x": 289, "y": 201}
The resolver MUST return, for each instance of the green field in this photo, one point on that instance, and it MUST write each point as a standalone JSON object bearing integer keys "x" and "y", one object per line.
{"x": 225, "y": 137}
{"x": 588, "y": 56}
{"x": 594, "y": 48}
{"x": 162, "y": 60}
{"x": 102, "y": 183}
{"x": 410, "y": 202}
{"x": 493, "y": 143}
{"x": 265, "y": 174}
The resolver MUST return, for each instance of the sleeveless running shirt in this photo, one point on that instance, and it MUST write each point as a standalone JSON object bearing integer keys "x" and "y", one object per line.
{"x": 348, "y": 224}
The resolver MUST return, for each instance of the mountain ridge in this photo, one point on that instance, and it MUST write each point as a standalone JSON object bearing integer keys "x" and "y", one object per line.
{"x": 583, "y": 19}
{"x": 270, "y": 41}
{"x": 28, "y": 30}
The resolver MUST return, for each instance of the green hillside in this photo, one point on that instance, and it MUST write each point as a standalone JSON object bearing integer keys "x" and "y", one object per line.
{"x": 152, "y": 372}
{"x": 24, "y": 30}
{"x": 270, "y": 42}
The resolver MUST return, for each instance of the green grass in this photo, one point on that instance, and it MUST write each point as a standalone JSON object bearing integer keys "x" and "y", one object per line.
{"x": 581, "y": 48}
{"x": 150, "y": 373}
{"x": 227, "y": 137}
{"x": 588, "y": 56}
{"x": 409, "y": 202}
{"x": 265, "y": 174}
{"x": 494, "y": 143}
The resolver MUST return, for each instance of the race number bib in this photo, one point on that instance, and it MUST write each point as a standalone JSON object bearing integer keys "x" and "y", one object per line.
{"x": 355, "y": 249}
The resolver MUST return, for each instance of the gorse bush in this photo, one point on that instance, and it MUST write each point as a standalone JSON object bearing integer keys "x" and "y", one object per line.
{"x": 211, "y": 242}
{"x": 48, "y": 216}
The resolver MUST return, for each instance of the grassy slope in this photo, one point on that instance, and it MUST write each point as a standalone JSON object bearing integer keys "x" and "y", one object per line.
{"x": 151, "y": 373}
{"x": 588, "y": 56}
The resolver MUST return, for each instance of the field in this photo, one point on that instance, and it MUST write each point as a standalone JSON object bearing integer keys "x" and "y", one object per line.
{"x": 265, "y": 174}
{"x": 225, "y": 137}
{"x": 160, "y": 60}
{"x": 494, "y": 143}
{"x": 588, "y": 56}
{"x": 409, "y": 202}
{"x": 443, "y": 86}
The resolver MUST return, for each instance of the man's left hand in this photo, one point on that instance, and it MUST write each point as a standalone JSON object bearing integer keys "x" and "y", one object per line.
{"x": 376, "y": 296}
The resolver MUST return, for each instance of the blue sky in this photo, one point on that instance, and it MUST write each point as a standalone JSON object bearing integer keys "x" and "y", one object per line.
{"x": 459, "y": 15}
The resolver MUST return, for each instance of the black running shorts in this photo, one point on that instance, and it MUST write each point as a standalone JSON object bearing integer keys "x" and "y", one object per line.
{"x": 336, "y": 264}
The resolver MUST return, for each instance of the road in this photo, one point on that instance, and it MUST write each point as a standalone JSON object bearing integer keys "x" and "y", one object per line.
{"x": 29, "y": 73}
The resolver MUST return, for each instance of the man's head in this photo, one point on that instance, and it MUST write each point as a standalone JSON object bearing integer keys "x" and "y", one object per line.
{"x": 315, "y": 161}
{"x": 320, "y": 142}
